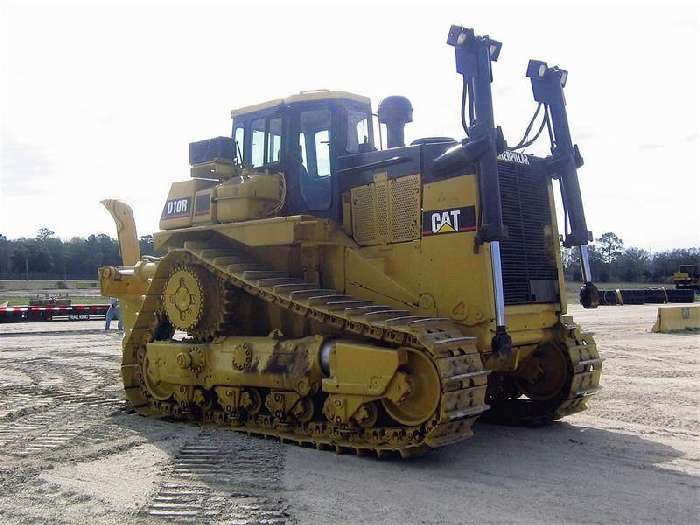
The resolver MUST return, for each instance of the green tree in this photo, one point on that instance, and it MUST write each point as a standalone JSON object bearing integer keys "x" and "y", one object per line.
{"x": 44, "y": 233}
{"x": 146, "y": 245}
{"x": 570, "y": 261}
{"x": 631, "y": 265}
{"x": 599, "y": 269}
{"x": 5, "y": 254}
{"x": 610, "y": 247}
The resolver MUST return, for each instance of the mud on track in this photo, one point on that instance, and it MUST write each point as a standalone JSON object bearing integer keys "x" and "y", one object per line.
{"x": 71, "y": 452}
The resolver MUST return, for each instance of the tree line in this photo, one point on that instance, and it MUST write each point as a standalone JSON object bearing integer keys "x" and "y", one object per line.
{"x": 48, "y": 257}
{"x": 611, "y": 261}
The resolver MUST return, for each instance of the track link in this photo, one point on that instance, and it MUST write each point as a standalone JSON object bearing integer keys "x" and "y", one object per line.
{"x": 456, "y": 357}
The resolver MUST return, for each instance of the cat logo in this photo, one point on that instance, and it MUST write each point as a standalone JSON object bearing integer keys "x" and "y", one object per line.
{"x": 445, "y": 221}
{"x": 454, "y": 220}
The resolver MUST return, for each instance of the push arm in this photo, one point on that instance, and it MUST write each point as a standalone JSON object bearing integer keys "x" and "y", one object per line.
{"x": 548, "y": 89}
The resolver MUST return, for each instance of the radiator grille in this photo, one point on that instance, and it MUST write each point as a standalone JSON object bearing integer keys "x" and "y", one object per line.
{"x": 381, "y": 212}
{"x": 364, "y": 223}
{"x": 386, "y": 211}
{"x": 528, "y": 263}
{"x": 405, "y": 209}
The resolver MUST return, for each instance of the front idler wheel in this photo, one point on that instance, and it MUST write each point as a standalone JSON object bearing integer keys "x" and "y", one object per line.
{"x": 543, "y": 375}
{"x": 423, "y": 396}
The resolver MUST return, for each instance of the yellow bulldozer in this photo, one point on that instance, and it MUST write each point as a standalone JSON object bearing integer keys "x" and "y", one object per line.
{"x": 687, "y": 277}
{"x": 328, "y": 292}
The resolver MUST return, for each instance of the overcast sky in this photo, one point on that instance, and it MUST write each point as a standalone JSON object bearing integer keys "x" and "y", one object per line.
{"x": 101, "y": 100}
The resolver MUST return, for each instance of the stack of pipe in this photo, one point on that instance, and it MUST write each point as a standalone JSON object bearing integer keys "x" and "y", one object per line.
{"x": 644, "y": 296}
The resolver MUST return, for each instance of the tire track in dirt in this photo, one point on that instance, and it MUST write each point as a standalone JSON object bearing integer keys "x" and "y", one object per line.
{"x": 71, "y": 384}
{"x": 62, "y": 385}
{"x": 222, "y": 477}
{"x": 64, "y": 418}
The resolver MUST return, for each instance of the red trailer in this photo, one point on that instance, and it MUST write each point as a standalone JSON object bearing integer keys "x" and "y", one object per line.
{"x": 73, "y": 312}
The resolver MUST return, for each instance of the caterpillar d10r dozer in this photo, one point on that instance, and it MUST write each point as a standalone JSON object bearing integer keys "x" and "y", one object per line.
{"x": 318, "y": 289}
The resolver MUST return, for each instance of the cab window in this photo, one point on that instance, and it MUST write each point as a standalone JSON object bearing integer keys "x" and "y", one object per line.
{"x": 322, "y": 141}
{"x": 302, "y": 152}
{"x": 274, "y": 140}
{"x": 314, "y": 140}
{"x": 239, "y": 137}
{"x": 314, "y": 145}
{"x": 257, "y": 130}
{"x": 357, "y": 130}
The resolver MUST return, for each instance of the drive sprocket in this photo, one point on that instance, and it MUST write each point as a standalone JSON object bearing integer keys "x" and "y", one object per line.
{"x": 197, "y": 302}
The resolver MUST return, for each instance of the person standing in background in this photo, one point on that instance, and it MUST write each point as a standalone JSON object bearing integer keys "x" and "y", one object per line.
{"x": 112, "y": 312}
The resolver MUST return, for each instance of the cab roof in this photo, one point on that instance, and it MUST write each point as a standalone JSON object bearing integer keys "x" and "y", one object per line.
{"x": 304, "y": 96}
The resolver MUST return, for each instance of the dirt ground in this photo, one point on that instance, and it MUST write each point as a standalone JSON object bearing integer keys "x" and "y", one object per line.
{"x": 72, "y": 452}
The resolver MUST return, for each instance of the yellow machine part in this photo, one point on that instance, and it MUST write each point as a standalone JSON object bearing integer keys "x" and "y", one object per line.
{"x": 203, "y": 201}
{"x": 677, "y": 319}
{"x": 268, "y": 362}
{"x": 254, "y": 197}
{"x": 123, "y": 217}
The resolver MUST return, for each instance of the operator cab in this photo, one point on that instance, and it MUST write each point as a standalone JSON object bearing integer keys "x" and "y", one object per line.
{"x": 303, "y": 136}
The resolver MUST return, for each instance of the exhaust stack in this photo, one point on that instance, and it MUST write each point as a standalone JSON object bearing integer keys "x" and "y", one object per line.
{"x": 395, "y": 112}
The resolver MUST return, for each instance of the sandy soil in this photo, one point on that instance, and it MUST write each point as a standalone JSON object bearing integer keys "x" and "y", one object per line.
{"x": 72, "y": 452}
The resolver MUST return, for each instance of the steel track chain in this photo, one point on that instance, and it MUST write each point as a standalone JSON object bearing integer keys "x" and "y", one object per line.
{"x": 456, "y": 357}
{"x": 585, "y": 370}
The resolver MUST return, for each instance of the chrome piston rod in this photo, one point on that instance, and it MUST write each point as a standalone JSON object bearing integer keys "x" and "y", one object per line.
{"x": 585, "y": 264}
{"x": 497, "y": 274}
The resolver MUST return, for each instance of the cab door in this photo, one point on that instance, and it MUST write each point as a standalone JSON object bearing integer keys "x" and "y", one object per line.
{"x": 309, "y": 160}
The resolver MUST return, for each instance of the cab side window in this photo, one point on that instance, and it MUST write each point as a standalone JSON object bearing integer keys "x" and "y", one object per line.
{"x": 239, "y": 137}
{"x": 257, "y": 130}
{"x": 322, "y": 141}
